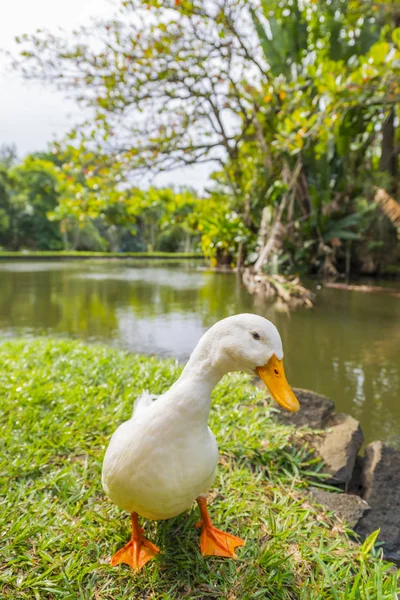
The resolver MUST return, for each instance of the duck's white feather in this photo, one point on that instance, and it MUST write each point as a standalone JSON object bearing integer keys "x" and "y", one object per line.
{"x": 165, "y": 456}
{"x": 143, "y": 401}
{"x": 160, "y": 460}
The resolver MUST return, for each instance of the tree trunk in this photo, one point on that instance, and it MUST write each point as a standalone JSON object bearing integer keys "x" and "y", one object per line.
{"x": 188, "y": 245}
{"x": 261, "y": 140}
{"x": 64, "y": 235}
{"x": 246, "y": 221}
{"x": 389, "y": 159}
{"x": 348, "y": 260}
{"x": 239, "y": 256}
{"x": 262, "y": 232}
{"x": 75, "y": 235}
{"x": 278, "y": 218}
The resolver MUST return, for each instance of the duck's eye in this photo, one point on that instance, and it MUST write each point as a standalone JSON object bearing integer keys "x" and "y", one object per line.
{"x": 256, "y": 335}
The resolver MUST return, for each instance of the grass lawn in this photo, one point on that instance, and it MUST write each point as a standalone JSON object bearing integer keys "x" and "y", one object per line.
{"x": 59, "y": 404}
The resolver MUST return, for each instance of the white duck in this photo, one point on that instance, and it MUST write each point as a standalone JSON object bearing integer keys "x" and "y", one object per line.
{"x": 165, "y": 456}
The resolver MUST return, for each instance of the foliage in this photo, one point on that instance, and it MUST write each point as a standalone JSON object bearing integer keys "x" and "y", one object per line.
{"x": 61, "y": 401}
{"x": 296, "y": 103}
{"x": 27, "y": 192}
{"x": 73, "y": 201}
{"x": 335, "y": 86}
{"x": 82, "y": 254}
{"x": 38, "y": 193}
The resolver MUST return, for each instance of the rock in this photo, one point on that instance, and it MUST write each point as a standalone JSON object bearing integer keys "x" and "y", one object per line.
{"x": 338, "y": 448}
{"x": 380, "y": 480}
{"x": 383, "y": 519}
{"x": 381, "y": 475}
{"x": 347, "y": 507}
{"x": 315, "y": 410}
{"x": 355, "y": 483}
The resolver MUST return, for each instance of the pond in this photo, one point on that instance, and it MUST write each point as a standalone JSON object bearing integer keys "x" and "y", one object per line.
{"x": 347, "y": 347}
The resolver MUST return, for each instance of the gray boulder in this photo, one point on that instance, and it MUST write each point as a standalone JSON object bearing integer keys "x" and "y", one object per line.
{"x": 355, "y": 484}
{"x": 315, "y": 410}
{"x": 338, "y": 447}
{"x": 380, "y": 476}
{"x": 380, "y": 479}
{"x": 347, "y": 507}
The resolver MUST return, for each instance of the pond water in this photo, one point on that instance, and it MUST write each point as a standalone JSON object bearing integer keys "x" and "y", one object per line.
{"x": 347, "y": 347}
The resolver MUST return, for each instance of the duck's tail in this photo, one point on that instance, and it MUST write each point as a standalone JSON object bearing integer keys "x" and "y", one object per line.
{"x": 143, "y": 401}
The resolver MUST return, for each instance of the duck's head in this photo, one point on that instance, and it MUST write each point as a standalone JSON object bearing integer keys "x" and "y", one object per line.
{"x": 250, "y": 343}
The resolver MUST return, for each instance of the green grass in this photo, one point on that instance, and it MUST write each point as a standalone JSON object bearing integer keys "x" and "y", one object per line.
{"x": 74, "y": 254}
{"x": 61, "y": 401}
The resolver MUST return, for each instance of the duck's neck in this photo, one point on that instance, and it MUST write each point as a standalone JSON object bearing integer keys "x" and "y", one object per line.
{"x": 198, "y": 379}
{"x": 204, "y": 373}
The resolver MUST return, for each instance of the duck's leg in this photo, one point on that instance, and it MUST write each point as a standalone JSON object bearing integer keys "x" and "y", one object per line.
{"x": 138, "y": 551}
{"x": 213, "y": 541}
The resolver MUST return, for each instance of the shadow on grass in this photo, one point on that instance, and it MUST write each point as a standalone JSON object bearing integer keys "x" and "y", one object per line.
{"x": 180, "y": 571}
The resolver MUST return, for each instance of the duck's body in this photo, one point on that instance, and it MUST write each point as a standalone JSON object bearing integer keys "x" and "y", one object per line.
{"x": 170, "y": 456}
{"x": 165, "y": 457}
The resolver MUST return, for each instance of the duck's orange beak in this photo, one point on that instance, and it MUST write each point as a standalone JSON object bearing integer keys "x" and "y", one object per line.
{"x": 273, "y": 375}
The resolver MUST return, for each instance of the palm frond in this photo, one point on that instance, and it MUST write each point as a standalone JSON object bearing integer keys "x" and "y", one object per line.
{"x": 389, "y": 206}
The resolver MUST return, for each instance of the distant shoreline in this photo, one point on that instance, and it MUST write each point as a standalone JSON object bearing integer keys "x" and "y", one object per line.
{"x": 64, "y": 255}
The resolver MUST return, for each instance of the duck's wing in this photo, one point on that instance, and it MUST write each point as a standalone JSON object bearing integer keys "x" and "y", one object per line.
{"x": 143, "y": 401}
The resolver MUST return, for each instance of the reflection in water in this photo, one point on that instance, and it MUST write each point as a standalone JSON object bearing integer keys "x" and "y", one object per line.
{"x": 348, "y": 347}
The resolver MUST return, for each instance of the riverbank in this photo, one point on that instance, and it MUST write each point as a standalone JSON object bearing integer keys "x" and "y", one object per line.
{"x": 368, "y": 475}
{"x": 163, "y": 307}
{"x": 60, "y": 402}
{"x": 39, "y": 255}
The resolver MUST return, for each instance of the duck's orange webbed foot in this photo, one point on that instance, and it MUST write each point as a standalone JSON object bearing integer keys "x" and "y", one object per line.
{"x": 213, "y": 541}
{"x": 138, "y": 551}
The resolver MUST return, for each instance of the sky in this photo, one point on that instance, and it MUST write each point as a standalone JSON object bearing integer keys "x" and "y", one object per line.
{"x": 33, "y": 114}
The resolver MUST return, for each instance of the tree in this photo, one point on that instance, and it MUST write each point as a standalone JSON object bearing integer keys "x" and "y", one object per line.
{"x": 37, "y": 191}
{"x": 294, "y": 101}
{"x": 335, "y": 73}
{"x": 8, "y": 155}
{"x": 169, "y": 84}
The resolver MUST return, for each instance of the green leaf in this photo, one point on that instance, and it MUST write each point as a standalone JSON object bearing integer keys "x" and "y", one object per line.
{"x": 396, "y": 36}
{"x": 369, "y": 543}
{"x": 341, "y": 235}
{"x": 379, "y": 51}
